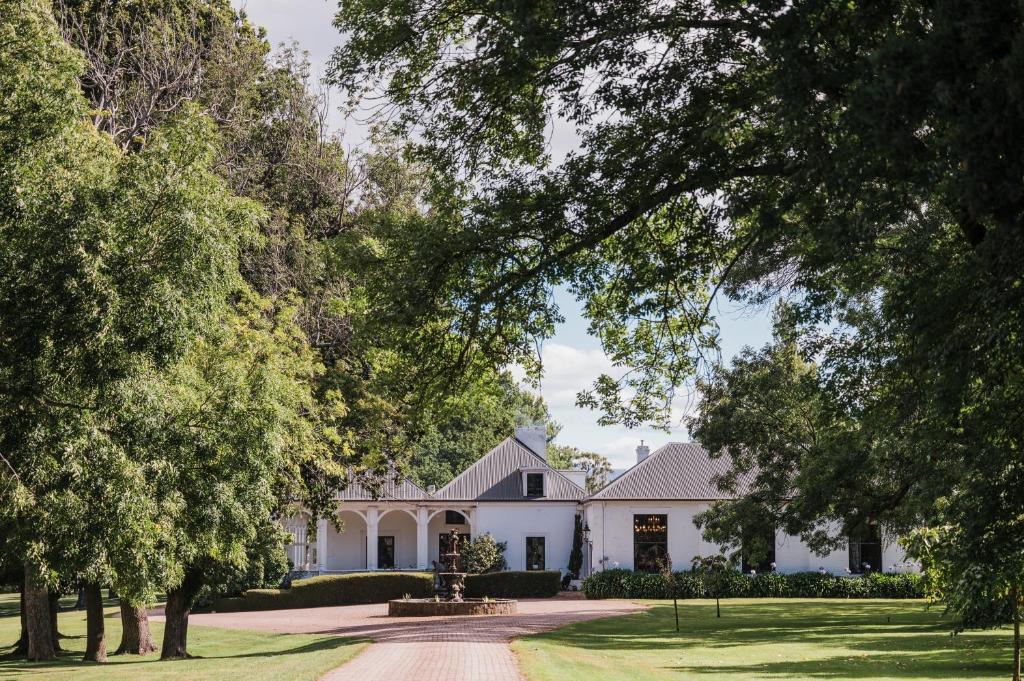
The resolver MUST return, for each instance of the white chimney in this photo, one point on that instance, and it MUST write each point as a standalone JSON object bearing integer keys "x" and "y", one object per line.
{"x": 642, "y": 451}
{"x": 534, "y": 438}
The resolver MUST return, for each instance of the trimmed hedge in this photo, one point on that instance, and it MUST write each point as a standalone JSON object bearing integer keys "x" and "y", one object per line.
{"x": 533, "y": 584}
{"x": 348, "y": 589}
{"x": 620, "y": 583}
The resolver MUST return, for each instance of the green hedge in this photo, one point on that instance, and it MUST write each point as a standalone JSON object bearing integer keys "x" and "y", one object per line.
{"x": 534, "y": 584}
{"x": 348, "y": 589}
{"x": 627, "y": 584}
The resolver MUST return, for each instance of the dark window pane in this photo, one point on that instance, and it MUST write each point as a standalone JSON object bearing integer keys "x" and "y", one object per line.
{"x": 385, "y": 552}
{"x": 534, "y": 484}
{"x": 650, "y": 541}
{"x": 454, "y": 518}
{"x": 535, "y": 553}
{"x": 866, "y": 549}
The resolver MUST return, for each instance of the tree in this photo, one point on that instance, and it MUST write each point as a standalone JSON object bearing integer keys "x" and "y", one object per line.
{"x": 781, "y": 164}
{"x": 483, "y": 554}
{"x": 596, "y": 466}
{"x": 113, "y": 262}
{"x": 576, "y": 553}
{"x": 714, "y": 570}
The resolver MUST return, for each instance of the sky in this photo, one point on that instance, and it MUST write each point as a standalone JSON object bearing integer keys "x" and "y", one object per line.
{"x": 572, "y": 358}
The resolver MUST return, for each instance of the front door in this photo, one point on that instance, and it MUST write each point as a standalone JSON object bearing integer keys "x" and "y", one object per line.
{"x": 385, "y": 552}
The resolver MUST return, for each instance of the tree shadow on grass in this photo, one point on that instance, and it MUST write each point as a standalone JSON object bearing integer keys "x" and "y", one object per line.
{"x": 65, "y": 659}
{"x": 850, "y": 639}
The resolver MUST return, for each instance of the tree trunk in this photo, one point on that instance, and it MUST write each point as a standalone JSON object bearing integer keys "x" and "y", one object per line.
{"x": 675, "y": 606}
{"x": 135, "y": 636}
{"x": 53, "y": 601}
{"x": 21, "y": 647}
{"x": 718, "y": 607}
{"x": 1015, "y": 596}
{"x": 37, "y": 621}
{"x": 80, "y": 603}
{"x": 95, "y": 633}
{"x": 179, "y": 605}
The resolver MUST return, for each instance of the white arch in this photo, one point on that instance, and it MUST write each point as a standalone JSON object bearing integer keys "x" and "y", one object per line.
{"x": 384, "y": 513}
{"x": 463, "y": 511}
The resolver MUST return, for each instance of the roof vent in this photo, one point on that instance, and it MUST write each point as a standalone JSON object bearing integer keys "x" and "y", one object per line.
{"x": 642, "y": 452}
{"x": 534, "y": 438}
{"x": 431, "y": 489}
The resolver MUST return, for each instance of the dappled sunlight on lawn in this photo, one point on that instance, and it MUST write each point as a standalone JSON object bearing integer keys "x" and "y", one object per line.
{"x": 769, "y": 639}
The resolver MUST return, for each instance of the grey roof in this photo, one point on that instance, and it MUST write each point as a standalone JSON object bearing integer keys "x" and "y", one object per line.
{"x": 677, "y": 471}
{"x": 370, "y": 489}
{"x": 497, "y": 476}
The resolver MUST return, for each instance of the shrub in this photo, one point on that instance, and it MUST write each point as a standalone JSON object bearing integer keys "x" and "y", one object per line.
{"x": 349, "y": 589}
{"x": 627, "y": 584}
{"x": 482, "y": 554}
{"x": 534, "y": 584}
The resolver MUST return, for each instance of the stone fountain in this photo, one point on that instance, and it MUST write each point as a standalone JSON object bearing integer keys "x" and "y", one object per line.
{"x": 452, "y": 580}
{"x": 453, "y": 584}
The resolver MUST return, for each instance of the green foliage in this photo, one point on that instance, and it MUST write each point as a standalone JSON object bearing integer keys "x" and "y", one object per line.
{"x": 597, "y": 467}
{"x": 314, "y": 592}
{"x": 576, "y": 554}
{"x": 515, "y": 584}
{"x": 264, "y": 567}
{"x": 483, "y": 554}
{"x": 619, "y": 583}
{"x": 467, "y": 425}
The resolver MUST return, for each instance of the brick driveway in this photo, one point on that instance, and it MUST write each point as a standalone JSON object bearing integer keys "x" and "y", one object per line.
{"x": 424, "y": 648}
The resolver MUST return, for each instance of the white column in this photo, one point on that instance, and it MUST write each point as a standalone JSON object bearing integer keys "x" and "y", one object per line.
{"x": 471, "y": 519}
{"x": 321, "y": 544}
{"x": 422, "y": 543}
{"x": 371, "y": 538}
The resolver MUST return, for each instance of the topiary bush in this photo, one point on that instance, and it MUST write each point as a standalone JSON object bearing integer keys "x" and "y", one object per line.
{"x": 620, "y": 583}
{"x": 483, "y": 554}
{"x": 348, "y": 589}
{"x": 532, "y": 584}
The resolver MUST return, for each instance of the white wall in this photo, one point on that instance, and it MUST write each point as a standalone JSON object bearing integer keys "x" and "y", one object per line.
{"x": 402, "y": 526}
{"x": 347, "y": 550}
{"x": 611, "y": 532}
{"x": 513, "y": 522}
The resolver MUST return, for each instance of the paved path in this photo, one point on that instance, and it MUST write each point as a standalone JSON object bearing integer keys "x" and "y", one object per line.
{"x": 424, "y": 648}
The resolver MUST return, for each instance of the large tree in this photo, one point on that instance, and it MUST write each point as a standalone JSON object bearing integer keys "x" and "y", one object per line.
{"x": 863, "y": 159}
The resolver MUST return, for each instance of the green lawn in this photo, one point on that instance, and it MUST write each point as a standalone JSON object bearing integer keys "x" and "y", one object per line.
{"x": 223, "y": 654}
{"x": 768, "y": 639}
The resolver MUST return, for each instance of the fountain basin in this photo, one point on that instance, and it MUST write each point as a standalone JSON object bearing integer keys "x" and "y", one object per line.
{"x": 427, "y": 607}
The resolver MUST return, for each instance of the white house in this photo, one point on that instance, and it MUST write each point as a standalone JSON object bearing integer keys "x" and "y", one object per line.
{"x": 515, "y": 496}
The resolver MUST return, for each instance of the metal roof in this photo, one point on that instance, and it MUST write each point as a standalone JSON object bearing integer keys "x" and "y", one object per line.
{"x": 377, "y": 489}
{"x": 677, "y": 471}
{"x": 497, "y": 476}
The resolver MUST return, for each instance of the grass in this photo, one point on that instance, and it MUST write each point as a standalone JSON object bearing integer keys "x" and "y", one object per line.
{"x": 768, "y": 639}
{"x": 222, "y": 654}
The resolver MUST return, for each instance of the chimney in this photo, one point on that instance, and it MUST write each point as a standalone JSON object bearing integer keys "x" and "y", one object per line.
{"x": 431, "y": 489}
{"x": 642, "y": 451}
{"x": 534, "y": 438}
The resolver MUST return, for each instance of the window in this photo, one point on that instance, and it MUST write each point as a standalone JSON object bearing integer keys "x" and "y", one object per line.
{"x": 454, "y": 518}
{"x": 650, "y": 541}
{"x": 535, "y": 553}
{"x": 865, "y": 549}
{"x": 767, "y": 557}
{"x": 385, "y": 552}
{"x": 534, "y": 484}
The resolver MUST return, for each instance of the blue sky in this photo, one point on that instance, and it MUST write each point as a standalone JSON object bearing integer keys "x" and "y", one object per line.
{"x": 572, "y": 358}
